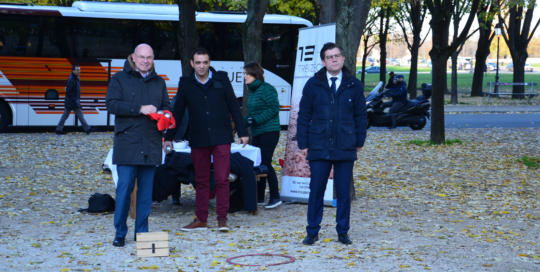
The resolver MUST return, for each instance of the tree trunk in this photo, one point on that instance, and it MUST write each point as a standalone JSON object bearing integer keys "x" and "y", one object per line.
{"x": 437, "y": 98}
{"x": 350, "y": 24}
{"x": 364, "y": 58}
{"x": 413, "y": 75}
{"x": 482, "y": 53}
{"x": 454, "y": 92}
{"x": 327, "y": 10}
{"x": 383, "y": 34}
{"x": 188, "y": 38}
{"x": 251, "y": 39}
{"x": 519, "y": 75}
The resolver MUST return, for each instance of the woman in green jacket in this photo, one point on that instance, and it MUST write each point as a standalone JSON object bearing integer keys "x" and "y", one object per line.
{"x": 263, "y": 117}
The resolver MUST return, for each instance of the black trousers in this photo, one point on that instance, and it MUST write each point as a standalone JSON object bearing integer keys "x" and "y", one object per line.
{"x": 267, "y": 142}
{"x": 394, "y": 106}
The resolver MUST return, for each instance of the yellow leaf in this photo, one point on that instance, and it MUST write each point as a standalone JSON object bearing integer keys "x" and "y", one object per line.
{"x": 351, "y": 264}
{"x": 427, "y": 268}
{"x": 232, "y": 244}
{"x": 489, "y": 240}
{"x": 536, "y": 257}
{"x": 487, "y": 265}
{"x": 442, "y": 195}
{"x": 315, "y": 252}
{"x": 215, "y": 263}
{"x": 523, "y": 255}
{"x": 533, "y": 243}
{"x": 64, "y": 270}
{"x": 404, "y": 266}
{"x": 32, "y": 193}
{"x": 327, "y": 240}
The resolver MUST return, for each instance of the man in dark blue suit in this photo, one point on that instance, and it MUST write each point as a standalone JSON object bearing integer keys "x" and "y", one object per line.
{"x": 332, "y": 128}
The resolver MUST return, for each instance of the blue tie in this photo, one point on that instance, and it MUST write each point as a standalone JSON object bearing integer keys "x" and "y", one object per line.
{"x": 333, "y": 87}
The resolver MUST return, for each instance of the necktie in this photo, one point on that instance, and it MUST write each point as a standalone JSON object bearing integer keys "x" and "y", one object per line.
{"x": 333, "y": 87}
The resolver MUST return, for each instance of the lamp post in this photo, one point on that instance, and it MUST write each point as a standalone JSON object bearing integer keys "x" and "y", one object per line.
{"x": 498, "y": 33}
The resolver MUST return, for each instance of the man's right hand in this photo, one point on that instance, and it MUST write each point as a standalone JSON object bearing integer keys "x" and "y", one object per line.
{"x": 165, "y": 144}
{"x": 148, "y": 109}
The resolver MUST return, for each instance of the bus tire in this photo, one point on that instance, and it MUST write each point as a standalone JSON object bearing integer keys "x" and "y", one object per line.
{"x": 5, "y": 116}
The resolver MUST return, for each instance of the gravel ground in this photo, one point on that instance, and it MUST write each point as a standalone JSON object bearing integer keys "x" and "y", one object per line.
{"x": 464, "y": 207}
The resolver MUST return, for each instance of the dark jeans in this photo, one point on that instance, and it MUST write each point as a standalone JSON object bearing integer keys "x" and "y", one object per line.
{"x": 394, "y": 106}
{"x": 267, "y": 142}
{"x": 78, "y": 113}
{"x": 201, "y": 157}
{"x": 126, "y": 183}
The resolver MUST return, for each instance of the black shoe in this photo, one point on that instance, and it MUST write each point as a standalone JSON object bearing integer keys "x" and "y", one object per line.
{"x": 59, "y": 132}
{"x": 273, "y": 203}
{"x": 311, "y": 239}
{"x": 344, "y": 239}
{"x": 119, "y": 242}
{"x": 90, "y": 130}
{"x": 176, "y": 201}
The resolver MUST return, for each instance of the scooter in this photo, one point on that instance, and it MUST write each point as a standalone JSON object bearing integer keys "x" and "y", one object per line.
{"x": 413, "y": 114}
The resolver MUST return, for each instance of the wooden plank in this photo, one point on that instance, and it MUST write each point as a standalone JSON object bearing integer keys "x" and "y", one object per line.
{"x": 152, "y": 236}
{"x": 148, "y": 245}
{"x": 133, "y": 204}
{"x": 159, "y": 252}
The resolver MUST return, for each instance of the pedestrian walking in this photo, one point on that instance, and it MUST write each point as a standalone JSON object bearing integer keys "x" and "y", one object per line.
{"x": 263, "y": 107}
{"x": 72, "y": 102}
{"x": 133, "y": 93}
{"x": 209, "y": 97}
{"x": 331, "y": 129}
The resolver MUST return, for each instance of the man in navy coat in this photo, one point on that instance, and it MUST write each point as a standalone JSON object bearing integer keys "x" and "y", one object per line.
{"x": 332, "y": 129}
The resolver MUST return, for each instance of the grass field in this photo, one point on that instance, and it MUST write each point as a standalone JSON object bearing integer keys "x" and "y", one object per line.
{"x": 535, "y": 65}
{"x": 464, "y": 79}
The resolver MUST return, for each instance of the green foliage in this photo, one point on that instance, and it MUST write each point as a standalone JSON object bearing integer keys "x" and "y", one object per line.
{"x": 531, "y": 162}
{"x": 429, "y": 142}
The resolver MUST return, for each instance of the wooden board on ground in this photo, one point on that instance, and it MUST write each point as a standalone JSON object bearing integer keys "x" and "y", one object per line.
{"x": 153, "y": 244}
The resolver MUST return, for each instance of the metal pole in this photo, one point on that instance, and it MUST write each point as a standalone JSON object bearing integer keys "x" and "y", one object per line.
{"x": 497, "y": 75}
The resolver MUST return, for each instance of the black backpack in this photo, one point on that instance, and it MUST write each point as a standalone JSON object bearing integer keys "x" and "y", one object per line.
{"x": 99, "y": 203}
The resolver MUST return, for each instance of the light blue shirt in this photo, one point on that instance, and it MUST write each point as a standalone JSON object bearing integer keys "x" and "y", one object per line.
{"x": 144, "y": 76}
{"x": 209, "y": 77}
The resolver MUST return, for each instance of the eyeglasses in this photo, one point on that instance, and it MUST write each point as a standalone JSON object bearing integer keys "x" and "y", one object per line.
{"x": 337, "y": 56}
{"x": 145, "y": 58}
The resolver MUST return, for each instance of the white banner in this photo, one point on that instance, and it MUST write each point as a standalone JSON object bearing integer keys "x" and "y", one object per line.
{"x": 296, "y": 173}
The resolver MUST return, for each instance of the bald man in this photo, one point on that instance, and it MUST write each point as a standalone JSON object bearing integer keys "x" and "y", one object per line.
{"x": 133, "y": 93}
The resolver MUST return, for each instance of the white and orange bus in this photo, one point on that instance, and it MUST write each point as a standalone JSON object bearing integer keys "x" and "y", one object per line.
{"x": 40, "y": 44}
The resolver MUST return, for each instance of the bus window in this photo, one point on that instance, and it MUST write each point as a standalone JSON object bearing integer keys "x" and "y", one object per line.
{"x": 164, "y": 40}
{"x": 108, "y": 38}
{"x": 33, "y": 36}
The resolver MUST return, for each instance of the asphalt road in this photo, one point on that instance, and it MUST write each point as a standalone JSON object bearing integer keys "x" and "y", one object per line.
{"x": 490, "y": 120}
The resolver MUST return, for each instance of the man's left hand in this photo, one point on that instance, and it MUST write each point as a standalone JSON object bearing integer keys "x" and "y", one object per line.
{"x": 243, "y": 140}
{"x": 358, "y": 149}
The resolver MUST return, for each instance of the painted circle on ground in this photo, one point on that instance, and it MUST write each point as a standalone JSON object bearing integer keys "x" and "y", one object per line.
{"x": 290, "y": 259}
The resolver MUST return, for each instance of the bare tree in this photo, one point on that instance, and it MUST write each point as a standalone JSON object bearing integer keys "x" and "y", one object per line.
{"x": 411, "y": 17}
{"x": 440, "y": 52}
{"x": 517, "y": 34}
{"x": 188, "y": 38}
{"x": 485, "y": 15}
{"x": 251, "y": 38}
{"x": 368, "y": 35}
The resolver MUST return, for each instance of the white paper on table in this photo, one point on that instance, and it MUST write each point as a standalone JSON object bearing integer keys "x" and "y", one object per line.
{"x": 251, "y": 152}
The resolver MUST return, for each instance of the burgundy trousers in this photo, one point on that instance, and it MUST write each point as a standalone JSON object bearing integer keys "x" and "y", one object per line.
{"x": 201, "y": 158}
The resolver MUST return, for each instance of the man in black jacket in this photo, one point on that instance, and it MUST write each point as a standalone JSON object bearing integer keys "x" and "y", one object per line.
{"x": 398, "y": 92}
{"x": 133, "y": 93}
{"x": 72, "y": 102}
{"x": 332, "y": 128}
{"x": 210, "y": 100}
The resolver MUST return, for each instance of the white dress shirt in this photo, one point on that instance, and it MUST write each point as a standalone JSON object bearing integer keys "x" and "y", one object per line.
{"x": 338, "y": 81}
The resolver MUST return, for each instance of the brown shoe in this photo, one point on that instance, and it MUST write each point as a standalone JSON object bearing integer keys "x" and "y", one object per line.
{"x": 195, "y": 225}
{"x": 222, "y": 225}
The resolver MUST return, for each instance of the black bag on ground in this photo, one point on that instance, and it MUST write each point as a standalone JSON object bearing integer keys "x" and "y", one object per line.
{"x": 99, "y": 203}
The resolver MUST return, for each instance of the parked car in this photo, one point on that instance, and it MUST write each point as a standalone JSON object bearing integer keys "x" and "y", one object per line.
{"x": 528, "y": 67}
{"x": 423, "y": 61}
{"x": 491, "y": 66}
{"x": 372, "y": 70}
{"x": 429, "y": 65}
{"x": 395, "y": 62}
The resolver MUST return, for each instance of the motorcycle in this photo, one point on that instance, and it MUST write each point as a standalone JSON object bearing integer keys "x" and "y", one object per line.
{"x": 413, "y": 114}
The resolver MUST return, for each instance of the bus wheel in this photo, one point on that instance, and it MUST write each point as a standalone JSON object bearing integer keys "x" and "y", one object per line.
{"x": 5, "y": 116}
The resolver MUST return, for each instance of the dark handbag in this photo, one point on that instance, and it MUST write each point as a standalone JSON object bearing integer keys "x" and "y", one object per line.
{"x": 99, "y": 203}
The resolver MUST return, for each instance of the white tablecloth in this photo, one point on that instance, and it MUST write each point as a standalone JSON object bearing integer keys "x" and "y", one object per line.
{"x": 251, "y": 152}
